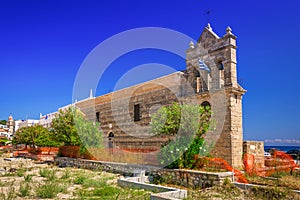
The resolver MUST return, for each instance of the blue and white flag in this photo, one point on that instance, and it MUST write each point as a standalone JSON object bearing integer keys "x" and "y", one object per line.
{"x": 203, "y": 66}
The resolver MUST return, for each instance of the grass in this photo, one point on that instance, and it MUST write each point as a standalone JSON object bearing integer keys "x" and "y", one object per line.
{"x": 20, "y": 172}
{"x": 86, "y": 184}
{"x": 10, "y": 194}
{"x": 108, "y": 192}
{"x": 83, "y": 184}
{"x": 2, "y": 184}
{"x": 47, "y": 173}
{"x": 50, "y": 189}
{"x": 28, "y": 177}
{"x": 66, "y": 174}
{"x": 228, "y": 191}
{"x": 80, "y": 179}
{"x": 24, "y": 189}
{"x": 284, "y": 180}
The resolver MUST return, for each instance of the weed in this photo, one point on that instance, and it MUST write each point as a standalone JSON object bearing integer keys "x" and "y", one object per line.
{"x": 279, "y": 174}
{"x": 50, "y": 190}
{"x": 94, "y": 183}
{"x": 24, "y": 189}
{"x": 66, "y": 174}
{"x": 106, "y": 191}
{"x": 2, "y": 184}
{"x": 9, "y": 175}
{"x": 10, "y": 194}
{"x": 46, "y": 173}
{"x": 80, "y": 179}
{"x": 28, "y": 177}
{"x": 21, "y": 172}
{"x": 43, "y": 172}
{"x": 270, "y": 192}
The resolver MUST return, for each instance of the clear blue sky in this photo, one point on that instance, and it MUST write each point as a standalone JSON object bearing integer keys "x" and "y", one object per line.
{"x": 43, "y": 43}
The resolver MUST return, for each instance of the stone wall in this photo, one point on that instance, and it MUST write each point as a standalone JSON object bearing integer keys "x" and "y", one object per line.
{"x": 122, "y": 168}
{"x": 191, "y": 178}
{"x": 255, "y": 148}
{"x": 187, "y": 178}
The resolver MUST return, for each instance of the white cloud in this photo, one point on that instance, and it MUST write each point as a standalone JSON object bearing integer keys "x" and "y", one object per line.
{"x": 286, "y": 141}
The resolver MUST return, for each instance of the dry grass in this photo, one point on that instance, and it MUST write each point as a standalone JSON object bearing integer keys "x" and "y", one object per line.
{"x": 228, "y": 192}
{"x": 285, "y": 180}
{"x": 64, "y": 183}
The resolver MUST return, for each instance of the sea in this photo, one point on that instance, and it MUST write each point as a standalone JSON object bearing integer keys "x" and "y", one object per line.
{"x": 283, "y": 148}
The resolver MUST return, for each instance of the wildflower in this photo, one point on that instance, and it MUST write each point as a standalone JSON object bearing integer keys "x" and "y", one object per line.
{"x": 171, "y": 151}
{"x": 177, "y": 149}
{"x": 185, "y": 149}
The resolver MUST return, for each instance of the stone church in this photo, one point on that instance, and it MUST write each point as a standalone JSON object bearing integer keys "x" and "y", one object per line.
{"x": 125, "y": 115}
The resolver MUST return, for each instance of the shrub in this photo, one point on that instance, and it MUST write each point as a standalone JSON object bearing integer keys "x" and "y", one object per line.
{"x": 189, "y": 123}
{"x": 179, "y": 154}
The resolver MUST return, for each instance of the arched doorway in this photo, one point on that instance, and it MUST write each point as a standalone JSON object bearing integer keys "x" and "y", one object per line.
{"x": 110, "y": 140}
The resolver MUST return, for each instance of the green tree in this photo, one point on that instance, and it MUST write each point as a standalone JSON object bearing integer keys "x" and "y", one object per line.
{"x": 188, "y": 123}
{"x": 22, "y": 136}
{"x": 34, "y": 135}
{"x": 45, "y": 138}
{"x": 72, "y": 129}
{"x": 3, "y": 122}
{"x": 63, "y": 128}
{"x": 88, "y": 131}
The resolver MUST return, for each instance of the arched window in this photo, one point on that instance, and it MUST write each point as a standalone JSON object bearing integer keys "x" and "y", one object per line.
{"x": 111, "y": 135}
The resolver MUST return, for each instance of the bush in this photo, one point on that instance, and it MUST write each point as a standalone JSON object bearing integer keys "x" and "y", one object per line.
{"x": 179, "y": 154}
{"x": 188, "y": 123}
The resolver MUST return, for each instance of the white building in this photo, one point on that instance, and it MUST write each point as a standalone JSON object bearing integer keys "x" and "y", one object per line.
{"x": 46, "y": 120}
{"x": 28, "y": 123}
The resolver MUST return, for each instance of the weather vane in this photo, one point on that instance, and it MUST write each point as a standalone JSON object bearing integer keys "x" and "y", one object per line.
{"x": 208, "y": 12}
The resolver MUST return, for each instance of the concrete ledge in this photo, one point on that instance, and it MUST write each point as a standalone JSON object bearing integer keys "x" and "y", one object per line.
{"x": 165, "y": 193}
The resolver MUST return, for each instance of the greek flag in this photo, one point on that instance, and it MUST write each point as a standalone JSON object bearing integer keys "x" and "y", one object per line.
{"x": 203, "y": 66}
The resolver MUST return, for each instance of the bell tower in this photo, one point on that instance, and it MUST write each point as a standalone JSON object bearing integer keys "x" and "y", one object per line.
{"x": 10, "y": 124}
{"x": 211, "y": 68}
